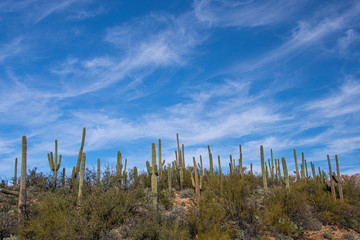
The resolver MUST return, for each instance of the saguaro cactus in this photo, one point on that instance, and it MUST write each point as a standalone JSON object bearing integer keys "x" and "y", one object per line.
{"x": 161, "y": 162}
{"x": 332, "y": 184}
{"x": 339, "y": 179}
{"x": 196, "y": 183}
{"x": 251, "y": 170}
{"x": 211, "y": 162}
{"x": 169, "y": 180}
{"x": 263, "y": 170}
{"x": 152, "y": 170}
{"x": 306, "y": 170}
{"x": 286, "y": 175}
{"x": 296, "y": 165}
{"x": 119, "y": 167}
{"x": 81, "y": 180}
{"x": 240, "y": 162}
{"x": 76, "y": 173}
{"x": 302, "y": 166}
{"x": 54, "y": 164}
{"x": 22, "y": 192}
{"x": 63, "y": 179}
{"x": 220, "y": 176}
{"x": 98, "y": 173}
{"x": 15, "y": 173}
{"x": 124, "y": 175}
{"x": 313, "y": 170}
{"x": 272, "y": 165}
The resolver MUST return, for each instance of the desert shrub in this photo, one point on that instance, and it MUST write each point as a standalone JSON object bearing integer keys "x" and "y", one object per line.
{"x": 38, "y": 181}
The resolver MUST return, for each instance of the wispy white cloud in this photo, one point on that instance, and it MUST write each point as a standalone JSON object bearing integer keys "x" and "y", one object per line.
{"x": 11, "y": 49}
{"x": 228, "y": 13}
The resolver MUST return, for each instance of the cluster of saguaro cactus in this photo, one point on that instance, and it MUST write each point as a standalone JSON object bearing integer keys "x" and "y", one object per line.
{"x": 153, "y": 172}
{"x": 54, "y": 164}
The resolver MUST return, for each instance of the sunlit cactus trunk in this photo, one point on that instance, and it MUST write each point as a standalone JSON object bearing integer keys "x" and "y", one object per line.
{"x": 211, "y": 162}
{"x": 77, "y": 168}
{"x": 15, "y": 173}
{"x": 297, "y": 166}
{"x": 22, "y": 191}
{"x": 81, "y": 180}
{"x": 153, "y": 172}
{"x": 263, "y": 169}
{"x": 54, "y": 164}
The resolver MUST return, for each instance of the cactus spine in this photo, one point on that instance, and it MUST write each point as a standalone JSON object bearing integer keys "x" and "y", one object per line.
{"x": 81, "y": 180}
{"x": 263, "y": 168}
{"x": 339, "y": 179}
{"x": 152, "y": 170}
{"x": 296, "y": 165}
{"x": 54, "y": 164}
{"x": 15, "y": 173}
{"x": 76, "y": 173}
{"x": 196, "y": 183}
{"x": 332, "y": 184}
{"x": 98, "y": 173}
{"x": 22, "y": 191}
{"x": 211, "y": 162}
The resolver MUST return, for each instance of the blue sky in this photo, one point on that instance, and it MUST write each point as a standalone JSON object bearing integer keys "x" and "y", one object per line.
{"x": 284, "y": 74}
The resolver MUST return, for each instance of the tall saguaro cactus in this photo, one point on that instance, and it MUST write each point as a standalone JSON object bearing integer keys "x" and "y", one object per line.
{"x": 119, "y": 167}
{"x": 98, "y": 173}
{"x": 82, "y": 176}
{"x": 263, "y": 170}
{"x": 196, "y": 183}
{"x": 240, "y": 162}
{"x": 286, "y": 175}
{"x": 161, "y": 162}
{"x": 76, "y": 173}
{"x": 54, "y": 164}
{"x": 296, "y": 165}
{"x": 22, "y": 192}
{"x": 211, "y": 162}
{"x": 152, "y": 170}
{"x": 169, "y": 180}
{"x": 15, "y": 173}
{"x": 332, "y": 184}
{"x": 339, "y": 179}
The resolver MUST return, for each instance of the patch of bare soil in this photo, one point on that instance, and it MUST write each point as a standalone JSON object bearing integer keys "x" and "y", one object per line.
{"x": 185, "y": 202}
{"x": 336, "y": 233}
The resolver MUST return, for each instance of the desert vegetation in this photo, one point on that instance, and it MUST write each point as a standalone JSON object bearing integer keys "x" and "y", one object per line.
{"x": 124, "y": 203}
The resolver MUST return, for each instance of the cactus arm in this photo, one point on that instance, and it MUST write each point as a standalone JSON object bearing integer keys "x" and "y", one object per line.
{"x": 58, "y": 166}
{"x": 148, "y": 167}
{"x": 80, "y": 153}
{"x": 50, "y": 162}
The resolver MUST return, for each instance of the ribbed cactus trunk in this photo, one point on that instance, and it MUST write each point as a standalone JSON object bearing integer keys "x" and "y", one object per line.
{"x": 263, "y": 170}
{"x": 54, "y": 164}
{"x": 63, "y": 179}
{"x": 272, "y": 165}
{"x": 81, "y": 180}
{"x": 154, "y": 176}
{"x": 15, "y": 173}
{"x": 124, "y": 175}
{"x": 251, "y": 170}
{"x": 119, "y": 167}
{"x": 286, "y": 175}
{"x": 98, "y": 173}
{"x": 332, "y": 184}
{"x": 341, "y": 194}
{"x": 196, "y": 182}
{"x": 22, "y": 191}
{"x": 169, "y": 181}
{"x": 180, "y": 162}
{"x": 211, "y": 162}
{"x": 136, "y": 176}
{"x": 313, "y": 170}
{"x": 220, "y": 175}
{"x": 297, "y": 166}
{"x": 240, "y": 162}
{"x": 76, "y": 173}
{"x": 276, "y": 171}
{"x": 302, "y": 166}
{"x": 161, "y": 162}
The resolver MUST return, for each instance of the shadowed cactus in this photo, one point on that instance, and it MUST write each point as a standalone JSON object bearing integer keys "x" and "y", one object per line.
{"x": 54, "y": 164}
{"x": 332, "y": 184}
{"x": 63, "y": 179}
{"x": 341, "y": 194}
